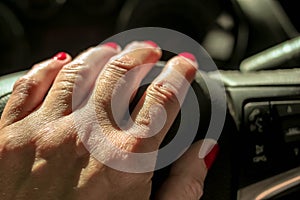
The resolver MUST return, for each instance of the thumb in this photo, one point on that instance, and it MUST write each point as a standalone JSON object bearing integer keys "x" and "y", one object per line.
{"x": 187, "y": 175}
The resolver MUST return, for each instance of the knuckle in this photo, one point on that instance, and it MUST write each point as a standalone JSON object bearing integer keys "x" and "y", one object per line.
{"x": 72, "y": 73}
{"x": 73, "y": 68}
{"x": 113, "y": 74}
{"x": 162, "y": 93}
{"x": 123, "y": 63}
{"x": 25, "y": 85}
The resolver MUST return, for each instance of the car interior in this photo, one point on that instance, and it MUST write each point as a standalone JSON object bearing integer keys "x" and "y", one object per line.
{"x": 254, "y": 43}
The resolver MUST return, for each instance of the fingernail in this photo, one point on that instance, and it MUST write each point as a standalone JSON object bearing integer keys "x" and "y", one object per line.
{"x": 211, "y": 156}
{"x": 188, "y": 56}
{"x": 60, "y": 56}
{"x": 112, "y": 45}
{"x": 151, "y": 43}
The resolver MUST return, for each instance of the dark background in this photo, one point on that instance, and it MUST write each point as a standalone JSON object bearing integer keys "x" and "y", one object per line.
{"x": 33, "y": 30}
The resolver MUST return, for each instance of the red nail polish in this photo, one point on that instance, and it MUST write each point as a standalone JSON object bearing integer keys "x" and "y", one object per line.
{"x": 211, "y": 156}
{"x": 188, "y": 56}
{"x": 60, "y": 56}
{"x": 112, "y": 45}
{"x": 151, "y": 43}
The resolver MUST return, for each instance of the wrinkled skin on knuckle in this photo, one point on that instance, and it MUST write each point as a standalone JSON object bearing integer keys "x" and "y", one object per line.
{"x": 109, "y": 79}
{"x": 161, "y": 94}
{"x": 24, "y": 84}
{"x": 103, "y": 95}
{"x": 125, "y": 62}
{"x": 132, "y": 58}
{"x": 68, "y": 81}
{"x": 22, "y": 89}
{"x": 72, "y": 73}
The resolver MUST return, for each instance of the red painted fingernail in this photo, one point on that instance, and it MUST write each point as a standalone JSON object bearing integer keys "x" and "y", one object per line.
{"x": 188, "y": 56}
{"x": 211, "y": 156}
{"x": 112, "y": 45}
{"x": 151, "y": 43}
{"x": 60, "y": 56}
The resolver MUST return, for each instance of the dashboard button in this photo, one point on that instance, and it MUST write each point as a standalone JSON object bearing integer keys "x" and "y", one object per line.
{"x": 286, "y": 108}
{"x": 256, "y": 148}
{"x": 292, "y": 134}
{"x": 257, "y": 116}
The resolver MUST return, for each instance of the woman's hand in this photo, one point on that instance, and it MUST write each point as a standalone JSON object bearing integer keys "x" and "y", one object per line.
{"x": 43, "y": 154}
